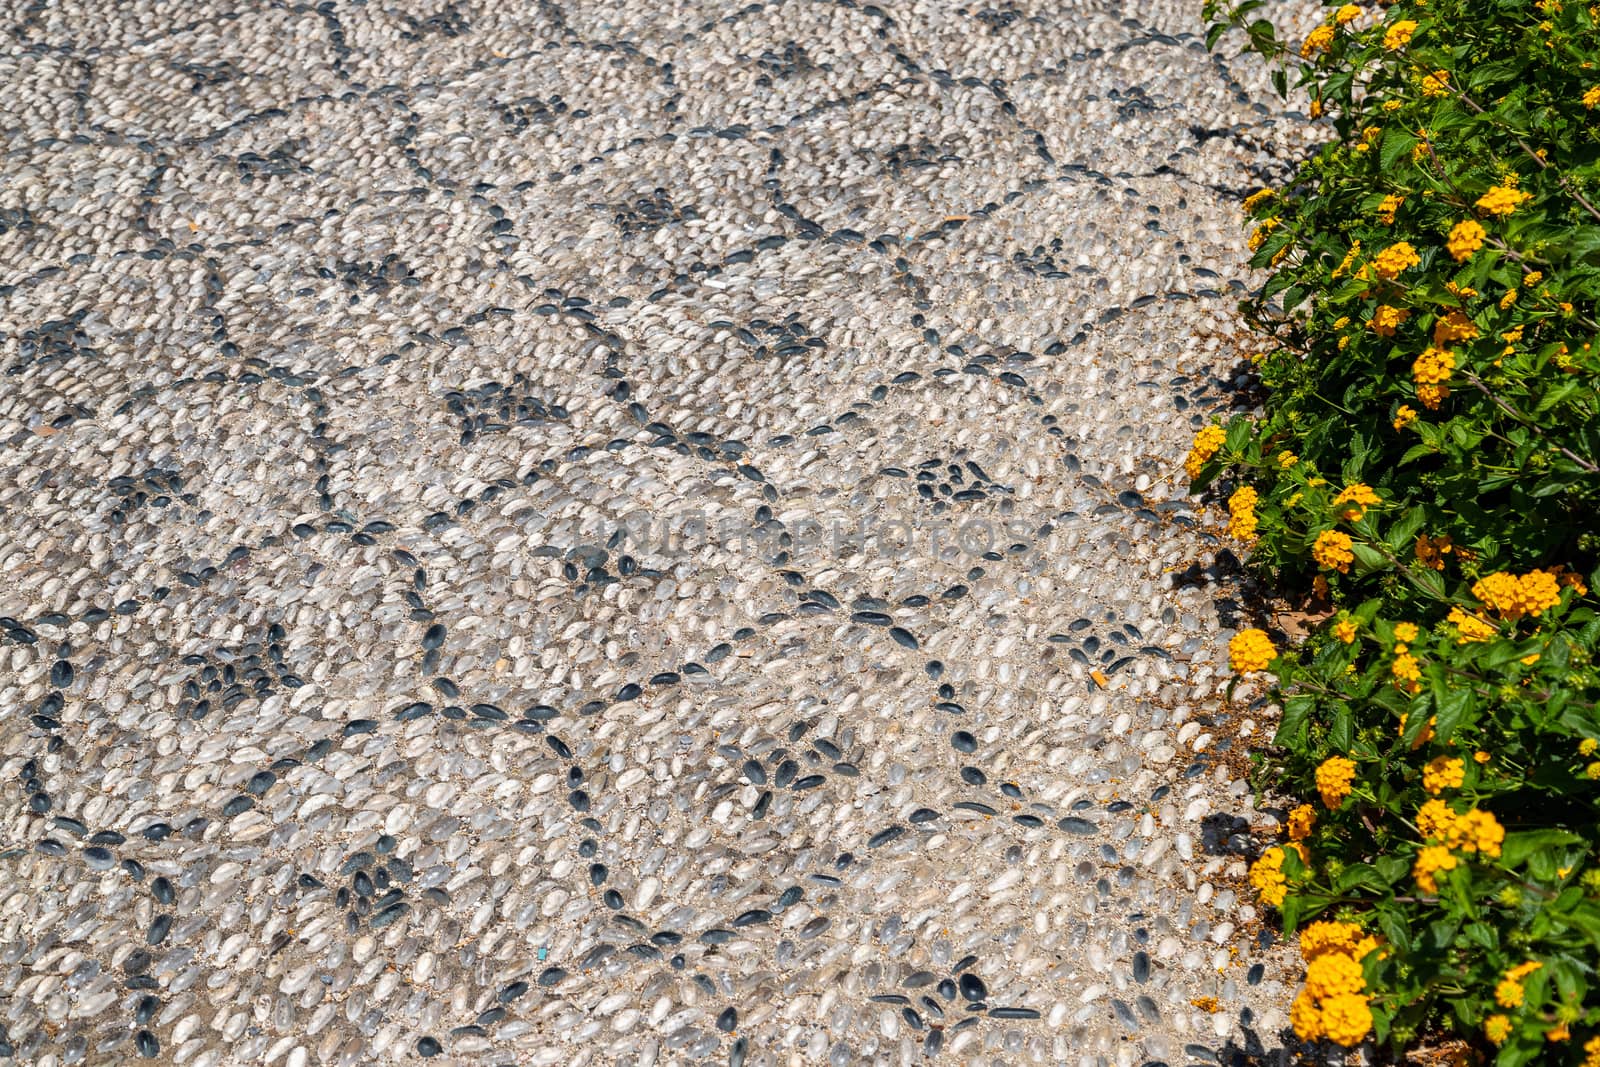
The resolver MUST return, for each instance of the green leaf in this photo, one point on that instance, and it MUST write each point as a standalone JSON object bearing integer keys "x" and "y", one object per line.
{"x": 1403, "y": 532}
{"x": 1520, "y": 845}
{"x": 1341, "y": 732}
{"x": 1393, "y": 869}
{"x": 1368, "y": 559}
{"x": 1454, "y": 708}
{"x": 1358, "y": 874}
{"x": 1503, "y": 653}
{"x": 1292, "y": 726}
{"x": 1396, "y": 143}
{"x": 1429, "y": 582}
{"x": 1238, "y": 434}
{"x": 1518, "y": 1051}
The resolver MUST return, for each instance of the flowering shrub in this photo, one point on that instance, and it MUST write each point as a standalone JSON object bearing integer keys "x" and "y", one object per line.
{"x": 1428, "y": 464}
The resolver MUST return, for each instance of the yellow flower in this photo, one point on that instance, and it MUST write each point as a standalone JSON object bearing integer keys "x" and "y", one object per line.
{"x": 1255, "y": 199}
{"x": 1331, "y": 974}
{"x": 1404, "y": 416}
{"x": 1592, "y": 1046}
{"x": 1346, "y": 1019}
{"x": 1436, "y": 820}
{"x": 1497, "y": 1028}
{"x": 1332, "y": 550}
{"x": 1386, "y": 319}
{"x": 1587, "y": 746}
{"x": 1453, "y": 326}
{"x": 1430, "y": 551}
{"x": 1334, "y": 776}
{"x": 1465, "y": 238}
{"x": 1287, "y": 459}
{"x": 1258, "y": 236}
{"x": 1317, "y": 41}
{"x": 1351, "y": 504}
{"x": 1306, "y": 1018}
{"x": 1432, "y": 859}
{"x": 1591, "y": 97}
{"x": 1569, "y": 579}
{"x": 1513, "y": 597}
{"x": 1509, "y": 299}
{"x": 1560, "y": 1032}
{"x": 1250, "y": 650}
{"x": 1242, "y": 519}
{"x": 1394, "y": 259}
{"x": 1347, "y": 14}
{"x": 1301, "y": 821}
{"x": 1508, "y": 994}
{"x": 1541, "y": 591}
{"x": 1532, "y": 278}
{"x": 1443, "y": 772}
{"x": 1345, "y": 630}
{"x": 1436, "y": 84}
{"x": 1476, "y": 831}
{"x": 1480, "y": 756}
{"x": 1432, "y": 396}
{"x": 1399, "y": 34}
{"x": 1266, "y": 876}
{"x": 1405, "y": 631}
{"x": 1405, "y": 669}
{"x": 1390, "y": 205}
{"x": 1344, "y": 265}
{"x": 1324, "y": 936}
{"x": 1433, "y": 367}
{"x": 1502, "y": 200}
{"x": 1470, "y": 628}
{"x": 1206, "y": 444}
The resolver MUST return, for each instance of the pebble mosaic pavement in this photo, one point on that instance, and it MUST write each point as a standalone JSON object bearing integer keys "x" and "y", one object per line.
{"x": 628, "y": 533}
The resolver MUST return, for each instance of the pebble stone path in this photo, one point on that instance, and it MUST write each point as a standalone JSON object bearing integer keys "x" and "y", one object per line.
{"x": 592, "y": 533}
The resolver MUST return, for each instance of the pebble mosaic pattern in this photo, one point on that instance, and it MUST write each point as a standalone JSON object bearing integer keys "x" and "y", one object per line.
{"x": 631, "y": 533}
